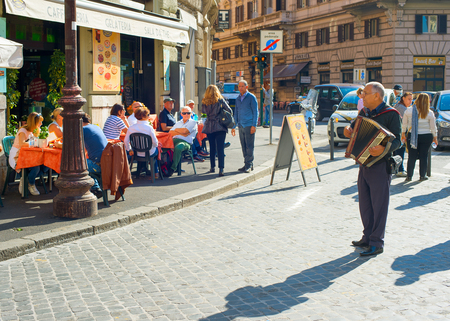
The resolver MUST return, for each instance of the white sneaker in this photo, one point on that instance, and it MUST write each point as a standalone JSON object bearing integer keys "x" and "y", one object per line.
{"x": 21, "y": 186}
{"x": 401, "y": 174}
{"x": 33, "y": 190}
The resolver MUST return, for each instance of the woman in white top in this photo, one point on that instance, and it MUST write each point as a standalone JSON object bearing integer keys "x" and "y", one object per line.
{"x": 421, "y": 123}
{"x": 142, "y": 126}
{"x": 33, "y": 125}
{"x": 57, "y": 125}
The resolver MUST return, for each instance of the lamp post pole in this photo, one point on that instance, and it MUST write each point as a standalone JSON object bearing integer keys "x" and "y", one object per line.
{"x": 74, "y": 199}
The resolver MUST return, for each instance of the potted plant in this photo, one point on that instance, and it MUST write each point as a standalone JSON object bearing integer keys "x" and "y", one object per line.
{"x": 42, "y": 137}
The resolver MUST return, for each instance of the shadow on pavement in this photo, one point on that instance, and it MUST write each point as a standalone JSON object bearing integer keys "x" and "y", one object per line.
{"x": 256, "y": 301}
{"x": 257, "y": 191}
{"x": 425, "y": 199}
{"x": 430, "y": 260}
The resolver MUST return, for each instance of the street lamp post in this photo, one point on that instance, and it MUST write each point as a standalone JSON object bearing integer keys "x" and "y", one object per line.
{"x": 74, "y": 199}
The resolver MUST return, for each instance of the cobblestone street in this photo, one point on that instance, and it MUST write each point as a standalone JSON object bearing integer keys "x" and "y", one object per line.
{"x": 259, "y": 252}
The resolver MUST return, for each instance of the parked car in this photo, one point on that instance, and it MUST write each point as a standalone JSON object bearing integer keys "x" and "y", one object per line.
{"x": 429, "y": 93}
{"x": 441, "y": 107}
{"x": 346, "y": 112}
{"x": 330, "y": 95}
{"x": 230, "y": 92}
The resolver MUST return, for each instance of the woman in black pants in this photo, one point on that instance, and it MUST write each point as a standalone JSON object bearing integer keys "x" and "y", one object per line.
{"x": 212, "y": 103}
{"x": 421, "y": 123}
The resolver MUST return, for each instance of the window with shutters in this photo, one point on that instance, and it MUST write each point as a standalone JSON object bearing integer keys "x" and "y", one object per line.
{"x": 430, "y": 24}
{"x": 302, "y": 4}
{"x": 249, "y": 10}
{"x": 239, "y": 13}
{"x": 322, "y": 36}
{"x": 251, "y": 48}
{"x": 237, "y": 51}
{"x": 301, "y": 40}
{"x": 226, "y": 53}
{"x": 372, "y": 28}
{"x": 281, "y": 5}
{"x": 215, "y": 54}
{"x": 346, "y": 32}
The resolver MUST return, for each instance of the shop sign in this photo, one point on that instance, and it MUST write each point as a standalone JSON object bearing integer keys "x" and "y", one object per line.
{"x": 429, "y": 61}
{"x": 305, "y": 79}
{"x": 323, "y": 67}
{"x": 301, "y": 56}
{"x": 37, "y": 89}
{"x": 346, "y": 65}
{"x": 103, "y": 17}
{"x": 239, "y": 74}
{"x": 378, "y": 63}
{"x": 106, "y": 54}
{"x": 224, "y": 19}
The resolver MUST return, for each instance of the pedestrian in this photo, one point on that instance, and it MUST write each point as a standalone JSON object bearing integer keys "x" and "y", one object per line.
{"x": 116, "y": 122}
{"x": 421, "y": 124}
{"x": 374, "y": 182}
{"x": 360, "y": 100}
{"x": 166, "y": 119}
{"x": 404, "y": 103}
{"x": 268, "y": 94}
{"x": 246, "y": 118}
{"x": 398, "y": 92}
{"x": 212, "y": 103}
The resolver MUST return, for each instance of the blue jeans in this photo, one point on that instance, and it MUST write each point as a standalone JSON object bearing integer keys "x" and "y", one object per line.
{"x": 96, "y": 169}
{"x": 267, "y": 116}
{"x": 34, "y": 172}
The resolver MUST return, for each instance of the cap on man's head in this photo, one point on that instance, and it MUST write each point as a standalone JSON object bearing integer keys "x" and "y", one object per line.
{"x": 168, "y": 99}
{"x": 190, "y": 101}
{"x": 398, "y": 87}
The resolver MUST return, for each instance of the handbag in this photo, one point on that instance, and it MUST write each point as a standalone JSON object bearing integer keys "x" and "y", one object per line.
{"x": 226, "y": 118}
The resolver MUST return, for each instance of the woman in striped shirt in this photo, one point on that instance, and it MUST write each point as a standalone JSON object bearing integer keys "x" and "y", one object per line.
{"x": 116, "y": 122}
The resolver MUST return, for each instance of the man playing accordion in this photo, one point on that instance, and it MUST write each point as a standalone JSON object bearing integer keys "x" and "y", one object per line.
{"x": 374, "y": 181}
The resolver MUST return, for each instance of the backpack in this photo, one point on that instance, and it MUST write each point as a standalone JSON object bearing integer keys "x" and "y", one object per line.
{"x": 166, "y": 162}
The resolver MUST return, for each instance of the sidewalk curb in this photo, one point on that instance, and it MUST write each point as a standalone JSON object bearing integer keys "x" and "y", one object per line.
{"x": 31, "y": 243}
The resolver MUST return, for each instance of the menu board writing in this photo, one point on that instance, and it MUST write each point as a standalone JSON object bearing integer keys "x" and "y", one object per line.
{"x": 106, "y": 52}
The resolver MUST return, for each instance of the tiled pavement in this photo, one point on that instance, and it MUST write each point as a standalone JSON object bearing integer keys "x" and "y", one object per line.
{"x": 259, "y": 252}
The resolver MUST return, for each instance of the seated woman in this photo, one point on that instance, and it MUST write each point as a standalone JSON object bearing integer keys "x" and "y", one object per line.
{"x": 116, "y": 122}
{"x": 33, "y": 125}
{"x": 142, "y": 126}
{"x": 57, "y": 125}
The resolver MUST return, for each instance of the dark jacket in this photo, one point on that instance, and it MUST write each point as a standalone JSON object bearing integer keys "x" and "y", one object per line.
{"x": 212, "y": 112}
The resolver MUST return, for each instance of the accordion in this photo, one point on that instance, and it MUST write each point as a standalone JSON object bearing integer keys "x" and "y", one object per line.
{"x": 368, "y": 133}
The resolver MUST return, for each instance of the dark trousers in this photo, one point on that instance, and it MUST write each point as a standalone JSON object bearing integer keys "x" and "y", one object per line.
{"x": 247, "y": 144}
{"x": 216, "y": 144}
{"x": 373, "y": 190}
{"x": 400, "y": 152}
{"x": 423, "y": 145}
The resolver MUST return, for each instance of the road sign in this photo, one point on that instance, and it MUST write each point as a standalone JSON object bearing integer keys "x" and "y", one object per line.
{"x": 271, "y": 41}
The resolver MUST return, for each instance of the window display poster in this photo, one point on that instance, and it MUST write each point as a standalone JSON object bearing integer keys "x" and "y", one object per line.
{"x": 166, "y": 66}
{"x": 106, "y": 54}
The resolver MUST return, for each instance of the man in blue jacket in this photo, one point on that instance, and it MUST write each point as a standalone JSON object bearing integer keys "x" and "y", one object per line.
{"x": 246, "y": 118}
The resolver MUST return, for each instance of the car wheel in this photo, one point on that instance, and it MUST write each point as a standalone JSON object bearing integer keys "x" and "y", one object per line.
{"x": 318, "y": 115}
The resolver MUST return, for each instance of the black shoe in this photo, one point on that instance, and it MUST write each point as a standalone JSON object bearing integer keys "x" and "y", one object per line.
{"x": 242, "y": 169}
{"x": 424, "y": 178}
{"x": 372, "y": 250}
{"x": 221, "y": 172}
{"x": 97, "y": 192}
{"x": 212, "y": 170}
{"x": 247, "y": 170}
{"x": 226, "y": 145}
{"x": 408, "y": 179}
{"x": 360, "y": 243}
{"x": 170, "y": 173}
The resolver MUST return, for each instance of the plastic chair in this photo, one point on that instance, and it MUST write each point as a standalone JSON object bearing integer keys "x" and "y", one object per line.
{"x": 98, "y": 177}
{"x": 143, "y": 143}
{"x": 8, "y": 142}
{"x": 190, "y": 153}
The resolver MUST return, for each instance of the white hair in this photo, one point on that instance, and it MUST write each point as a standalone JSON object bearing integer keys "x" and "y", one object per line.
{"x": 377, "y": 88}
{"x": 243, "y": 81}
{"x": 186, "y": 108}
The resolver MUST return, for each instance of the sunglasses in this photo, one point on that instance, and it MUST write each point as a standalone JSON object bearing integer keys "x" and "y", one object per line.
{"x": 185, "y": 113}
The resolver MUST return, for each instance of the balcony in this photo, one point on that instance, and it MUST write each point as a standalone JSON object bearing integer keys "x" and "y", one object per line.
{"x": 268, "y": 21}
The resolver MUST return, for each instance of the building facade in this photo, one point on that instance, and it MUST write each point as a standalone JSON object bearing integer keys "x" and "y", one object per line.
{"x": 140, "y": 50}
{"x": 337, "y": 41}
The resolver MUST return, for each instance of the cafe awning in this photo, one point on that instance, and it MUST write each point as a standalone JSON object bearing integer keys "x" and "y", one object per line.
{"x": 284, "y": 72}
{"x": 104, "y": 17}
{"x": 10, "y": 54}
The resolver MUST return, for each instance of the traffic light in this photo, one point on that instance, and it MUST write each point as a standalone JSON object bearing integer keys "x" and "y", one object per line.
{"x": 255, "y": 59}
{"x": 263, "y": 61}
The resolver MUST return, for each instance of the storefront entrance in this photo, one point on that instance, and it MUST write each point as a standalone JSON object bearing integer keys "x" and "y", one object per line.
{"x": 428, "y": 73}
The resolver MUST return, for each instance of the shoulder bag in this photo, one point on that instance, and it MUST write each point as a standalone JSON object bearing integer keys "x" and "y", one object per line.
{"x": 226, "y": 118}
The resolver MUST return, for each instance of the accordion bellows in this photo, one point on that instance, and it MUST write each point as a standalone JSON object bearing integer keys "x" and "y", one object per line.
{"x": 368, "y": 133}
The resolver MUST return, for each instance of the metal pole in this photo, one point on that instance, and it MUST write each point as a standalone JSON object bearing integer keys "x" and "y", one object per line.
{"x": 331, "y": 139}
{"x": 74, "y": 199}
{"x": 271, "y": 97}
{"x": 261, "y": 82}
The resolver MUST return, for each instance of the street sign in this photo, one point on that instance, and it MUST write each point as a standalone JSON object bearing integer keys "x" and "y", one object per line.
{"x": 271, "y": 41}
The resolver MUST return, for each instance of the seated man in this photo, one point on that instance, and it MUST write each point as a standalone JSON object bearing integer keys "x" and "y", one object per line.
{"x": 183, "y": 133}
{"x": 166, "y": 119}
{"x": 95, "y": 142}
{"x": 197, "y": 150}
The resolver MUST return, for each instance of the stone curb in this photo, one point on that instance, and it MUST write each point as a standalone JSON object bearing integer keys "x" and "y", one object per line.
{"x": 31, "y": 243}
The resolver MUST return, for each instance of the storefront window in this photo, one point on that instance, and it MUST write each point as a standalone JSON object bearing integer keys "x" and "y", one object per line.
{"x": 324, "y": 78}
{"x": 347, "y": 77}
{"x": 428, "y": 78}
{"x": 375, "y": 75}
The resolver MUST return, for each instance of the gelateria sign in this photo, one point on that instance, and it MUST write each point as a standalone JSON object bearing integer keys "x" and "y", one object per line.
{"x": 103, "y": 17}
{"x": 429, "y": 61}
